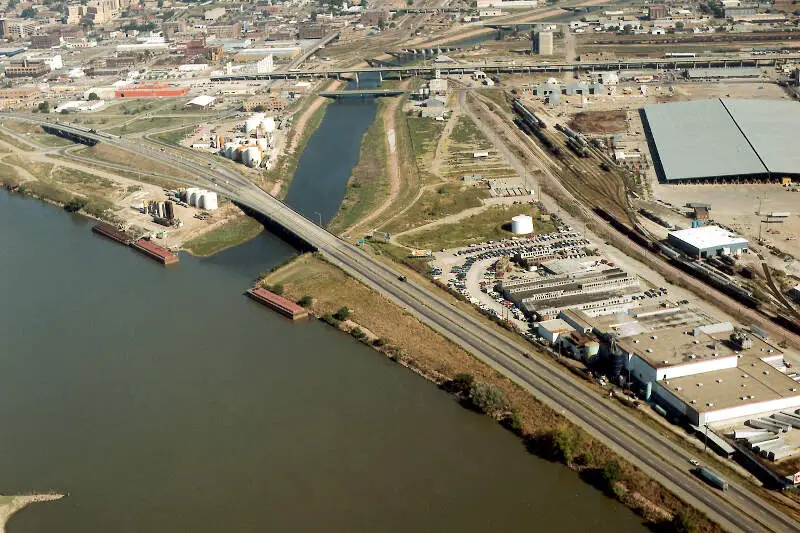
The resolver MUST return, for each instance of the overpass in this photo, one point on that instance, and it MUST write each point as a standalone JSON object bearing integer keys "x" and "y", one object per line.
{"x": 308, "y": 53}
{"x": 512, "y": 67}
{"x": 363, "y": 93}
{"x": 737, "y": 510}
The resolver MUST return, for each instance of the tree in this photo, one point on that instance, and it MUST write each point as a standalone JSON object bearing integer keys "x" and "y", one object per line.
{"x": 564, "y": 442}
{"x": 679, "y": 25}
{"x": 342, "y": 314}
{"x": 93, "y": 96}
{"x": 305, "y": 301}
{"x": 44, "y": 107}
{"x": 612, "y": 473}
{"x": 28, "y": 13}
{"x": 487, "y": 398}
{"x": 512, "y": 422}
{"x": 627, "y": 29}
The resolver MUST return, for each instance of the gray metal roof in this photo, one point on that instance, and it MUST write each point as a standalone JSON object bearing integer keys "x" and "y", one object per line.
{"x": 699, "y": 139}
{"x": 771, "y": 128}
{"x": 728, "y": 72}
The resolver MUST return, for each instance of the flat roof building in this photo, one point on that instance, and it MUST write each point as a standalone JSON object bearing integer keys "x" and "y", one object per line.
{"x": 707, "y": 241}
{"x": 750, "y": 139}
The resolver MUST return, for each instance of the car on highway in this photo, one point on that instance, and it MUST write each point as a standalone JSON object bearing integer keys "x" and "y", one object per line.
{"x": 694, "y": 461}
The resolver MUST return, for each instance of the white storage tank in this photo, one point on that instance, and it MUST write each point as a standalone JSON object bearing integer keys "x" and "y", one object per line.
{"x": 230, "y": 150}
{"x": 193, "y": 197}
{"x": 268, "y": 125}
{"x": 262, "y": 143}
{"x": 521, "y": 225}
{"x": 208, "y": 201}
{"x": 251, "y": 156}
{"x": 253, "y": 122}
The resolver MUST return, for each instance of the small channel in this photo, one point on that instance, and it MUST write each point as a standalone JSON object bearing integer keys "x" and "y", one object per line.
{"x": 320, "y": 181}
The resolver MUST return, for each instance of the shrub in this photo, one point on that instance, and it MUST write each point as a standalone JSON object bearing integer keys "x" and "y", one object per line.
{"x": 685, "y": 521}
{"x": 487, "y": 398}
{"x": 463, "y": 382}
{"x": 75, "y": 205}
{"x": 564, "y": 443}
{"x": 512, "y": 422}
{"x": 358, "y": 333}
{"x": 305, "y": 301}
{"x": 584, "y": 459}
{"x": 342, "y": 314}
{"x": 611, "y": 473}
{"x": 380, "y": 341}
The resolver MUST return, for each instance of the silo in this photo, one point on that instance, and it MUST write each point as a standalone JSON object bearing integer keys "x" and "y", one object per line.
{"x": 251, "y": 156}
{"x": 237, "y": 156}
{"x": 521, "y": 225}
{"x": 253, "y": 122}
{"x": 170, "y": 210}
{"x": 209, "y": 200}
{"x": 194, "y": 195}
{"x": 268, "y": 125}
{"x": 230, "y": 150}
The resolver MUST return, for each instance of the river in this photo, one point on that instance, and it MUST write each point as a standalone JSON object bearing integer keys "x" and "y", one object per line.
{"x": 165, "y": 400}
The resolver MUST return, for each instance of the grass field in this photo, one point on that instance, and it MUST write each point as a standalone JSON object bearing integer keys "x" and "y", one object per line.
{"x": 174, "y": 137}
{"x": 444, "y": 200}
{"x": 466, "y": 133}
{"x": 52, "y": 141}
{"x": 237, "y": 231}
{"x": 424, "y": 133}
{"x": 492, "y": 224}
{"x": 154, "y": 123}
{"x": 109, "y": 154}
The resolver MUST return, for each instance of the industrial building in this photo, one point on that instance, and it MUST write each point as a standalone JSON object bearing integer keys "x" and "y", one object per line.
{"x": 751, "y": 140}
{"x": 711, "y": 374}
{"x": 544, "y": 43}
{"x": 594, "y": 292}
{"x": 707, "y": 241}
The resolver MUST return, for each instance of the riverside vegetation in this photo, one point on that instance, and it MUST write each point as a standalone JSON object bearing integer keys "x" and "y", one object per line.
{"x": 352, "y": 307}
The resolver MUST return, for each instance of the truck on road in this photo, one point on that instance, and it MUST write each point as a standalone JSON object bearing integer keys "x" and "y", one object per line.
{"x": 712, "y": 478}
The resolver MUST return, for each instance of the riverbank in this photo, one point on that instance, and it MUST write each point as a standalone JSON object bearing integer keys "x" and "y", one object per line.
{"x": 10, "y": 505}
{"x": 372, "y": 319}
{"x": 234, "y": 231}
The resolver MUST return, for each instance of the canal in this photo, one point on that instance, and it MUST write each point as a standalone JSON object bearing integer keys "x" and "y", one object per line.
{"x": 164, "y": 400}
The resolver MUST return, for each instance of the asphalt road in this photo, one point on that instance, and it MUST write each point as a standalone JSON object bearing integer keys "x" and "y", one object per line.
{"x": 736, "y": 510}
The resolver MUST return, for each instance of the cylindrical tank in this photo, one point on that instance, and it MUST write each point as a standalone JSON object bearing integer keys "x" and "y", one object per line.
{"x": 262, "y": 143}
{"x": 251, "y": 156}
{"x": 253, "y": 122}
{"x": 230, "y": 150}
{"x": 521, "y": 225}
{"x": 237, "y": 154}
{"x": 209, "y": 200}
{"x": 268, "y": 125}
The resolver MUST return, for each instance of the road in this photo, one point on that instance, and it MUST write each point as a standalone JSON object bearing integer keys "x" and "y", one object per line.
{"x": 737, "y": 510}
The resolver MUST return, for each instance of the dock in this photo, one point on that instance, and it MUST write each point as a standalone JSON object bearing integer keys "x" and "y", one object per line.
{"x": 278, "y": 303}
{"x": 154, "y": 251}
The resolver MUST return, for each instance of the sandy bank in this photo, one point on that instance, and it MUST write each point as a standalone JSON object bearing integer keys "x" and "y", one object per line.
{"x": 10, "y": 505}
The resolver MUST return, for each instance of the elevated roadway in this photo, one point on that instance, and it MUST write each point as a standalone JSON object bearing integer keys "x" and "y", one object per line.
{"x": 737, "y": 510}
{"x": 671, "y": 63}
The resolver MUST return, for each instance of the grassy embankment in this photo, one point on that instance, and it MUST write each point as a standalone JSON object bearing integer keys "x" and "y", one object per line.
{"x": 369, "y": 181}
{"x": 75, "y": 190}
{"x": 109, "y": 154}
{"x": 236, "y": 231}
{"x": 173, "y": 136}
{"x": 286, "y": 165}
{"x": 151, "y": 123}
{"x": 401, "y": 337}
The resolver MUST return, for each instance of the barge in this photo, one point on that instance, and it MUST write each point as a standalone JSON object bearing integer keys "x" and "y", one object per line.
{"x": 154, "y": 251}
{"x": 278, "y": 303}
{"x": 107, "y": 230}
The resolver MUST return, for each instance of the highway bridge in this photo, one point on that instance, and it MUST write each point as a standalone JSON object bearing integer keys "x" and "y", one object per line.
{"x": 362, "y": 93}
{"x": 676, "y": 63}
{"x": 737, "y": 510}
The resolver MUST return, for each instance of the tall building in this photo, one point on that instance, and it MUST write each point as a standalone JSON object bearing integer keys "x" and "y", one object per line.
{"x": 656, "y": 12}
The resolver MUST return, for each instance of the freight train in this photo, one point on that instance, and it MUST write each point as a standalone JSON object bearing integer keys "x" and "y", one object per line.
{"x": 527, "y": 116}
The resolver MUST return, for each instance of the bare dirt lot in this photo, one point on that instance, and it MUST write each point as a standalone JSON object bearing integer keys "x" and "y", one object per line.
{"x": 600, "y": 121}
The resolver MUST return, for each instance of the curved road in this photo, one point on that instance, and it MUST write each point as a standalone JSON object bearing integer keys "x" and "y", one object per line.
{"x": 738, "y": 509}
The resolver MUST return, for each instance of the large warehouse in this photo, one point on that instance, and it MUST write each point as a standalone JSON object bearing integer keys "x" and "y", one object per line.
{"x": 723, "y": 139}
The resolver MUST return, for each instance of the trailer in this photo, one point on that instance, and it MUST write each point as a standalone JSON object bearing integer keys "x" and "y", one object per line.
{"x": 712, "y": 478}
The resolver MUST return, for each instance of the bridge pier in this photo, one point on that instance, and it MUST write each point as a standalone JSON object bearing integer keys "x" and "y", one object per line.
{"x": 358, "y": 83}
{"x": 380, "y": 77}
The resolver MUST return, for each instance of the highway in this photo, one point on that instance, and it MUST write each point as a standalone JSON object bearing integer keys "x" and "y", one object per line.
{"x": 737, "y": 510}
{"x": 523, "y": 67}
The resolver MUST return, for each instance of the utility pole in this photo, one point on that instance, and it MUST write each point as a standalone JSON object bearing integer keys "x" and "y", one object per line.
{"x": 705, "y": 442}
